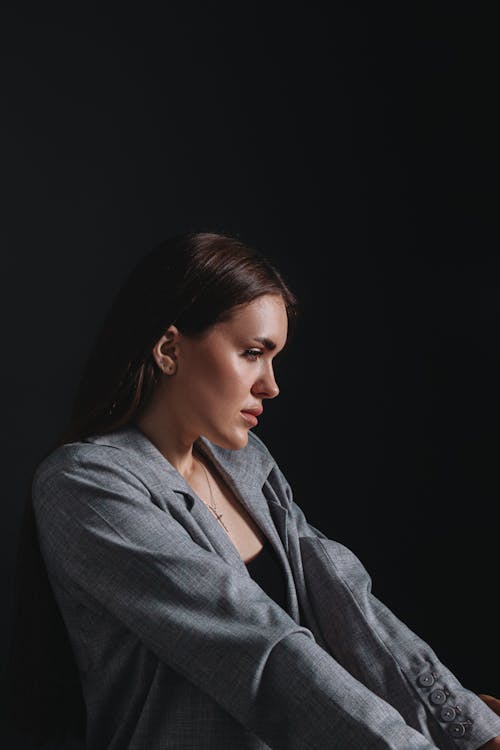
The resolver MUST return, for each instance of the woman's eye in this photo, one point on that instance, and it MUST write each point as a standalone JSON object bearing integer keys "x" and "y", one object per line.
{"x": 252, "y": 353}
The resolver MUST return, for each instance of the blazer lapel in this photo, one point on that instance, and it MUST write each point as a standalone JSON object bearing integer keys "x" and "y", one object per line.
{"x": 244, "y": 471}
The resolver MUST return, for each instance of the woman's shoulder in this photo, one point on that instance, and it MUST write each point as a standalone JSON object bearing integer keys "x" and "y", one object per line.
{"x": 69, "y": 457}
{"x": 120, "y": 448}
{"x": 76, "y": 471}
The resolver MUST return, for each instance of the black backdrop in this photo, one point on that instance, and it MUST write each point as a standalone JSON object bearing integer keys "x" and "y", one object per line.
{"x": 358, "y": 149}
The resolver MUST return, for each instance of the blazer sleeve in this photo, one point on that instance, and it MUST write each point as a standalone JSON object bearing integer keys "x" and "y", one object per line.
{"x": 377, "y": 648}
{"x": 106, "y": 542}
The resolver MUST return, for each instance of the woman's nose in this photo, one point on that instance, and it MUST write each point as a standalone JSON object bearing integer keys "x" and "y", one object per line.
{"x": 267, "y": 386}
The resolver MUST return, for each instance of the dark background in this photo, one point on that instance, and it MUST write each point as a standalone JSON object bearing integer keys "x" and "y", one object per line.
{"x": 358, "y": 150}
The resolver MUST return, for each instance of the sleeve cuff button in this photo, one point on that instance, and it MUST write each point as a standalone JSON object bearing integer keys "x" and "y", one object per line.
{"x": 456, "y": 730}
{"x": 447, "y": 713}
{"x": 426, "y": 679}
{"x": 438, "y": 697}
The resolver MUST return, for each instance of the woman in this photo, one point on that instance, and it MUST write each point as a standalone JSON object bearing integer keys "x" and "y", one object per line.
{"x": 202, "y": 609}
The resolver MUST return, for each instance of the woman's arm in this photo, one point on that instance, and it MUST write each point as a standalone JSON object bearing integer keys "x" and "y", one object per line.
{"x": 375, "y": 646}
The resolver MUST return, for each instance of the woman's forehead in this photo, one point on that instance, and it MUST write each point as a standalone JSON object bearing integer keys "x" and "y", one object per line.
{"x": 265, "y": 317}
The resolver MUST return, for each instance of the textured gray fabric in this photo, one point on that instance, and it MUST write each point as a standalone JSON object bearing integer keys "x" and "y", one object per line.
{"x": 178, "y": 647}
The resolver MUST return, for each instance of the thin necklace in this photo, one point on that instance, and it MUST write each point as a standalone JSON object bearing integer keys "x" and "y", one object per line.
{"x": 213, "y": 506}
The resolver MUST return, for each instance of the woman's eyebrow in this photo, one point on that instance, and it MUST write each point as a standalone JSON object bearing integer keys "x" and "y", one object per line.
{"x": 267, "y": 342}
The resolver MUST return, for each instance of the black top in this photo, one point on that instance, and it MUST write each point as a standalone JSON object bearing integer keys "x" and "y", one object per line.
{"x": 265, "y": 569}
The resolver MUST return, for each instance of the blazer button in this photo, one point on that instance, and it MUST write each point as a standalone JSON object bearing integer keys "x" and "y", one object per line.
{"x": 425, "y": 679}
{"x": 437, "y": 697}
{"x": 456, "y": 730}
{"x": 447, "y": 713}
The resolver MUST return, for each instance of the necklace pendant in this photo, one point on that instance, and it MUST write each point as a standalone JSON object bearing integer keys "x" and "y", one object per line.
{"x": 219, "y": 518}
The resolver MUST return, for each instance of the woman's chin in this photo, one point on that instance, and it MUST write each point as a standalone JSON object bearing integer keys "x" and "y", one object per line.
{"x": 233, "y": 443}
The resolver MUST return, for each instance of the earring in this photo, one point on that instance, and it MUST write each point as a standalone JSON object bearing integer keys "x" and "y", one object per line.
{"x": 169, "y": 368}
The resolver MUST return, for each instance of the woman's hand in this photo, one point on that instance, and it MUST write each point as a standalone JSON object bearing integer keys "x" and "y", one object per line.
{"x": 494, "y": 704}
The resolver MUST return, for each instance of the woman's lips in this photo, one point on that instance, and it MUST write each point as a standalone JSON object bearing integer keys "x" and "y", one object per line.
{"x": 250, "y": 418}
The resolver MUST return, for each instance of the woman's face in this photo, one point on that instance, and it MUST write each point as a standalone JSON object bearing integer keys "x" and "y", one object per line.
{"x": 229, "y": 370}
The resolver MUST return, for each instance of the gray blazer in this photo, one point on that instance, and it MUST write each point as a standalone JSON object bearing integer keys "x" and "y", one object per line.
{"x": 178, "y": 647}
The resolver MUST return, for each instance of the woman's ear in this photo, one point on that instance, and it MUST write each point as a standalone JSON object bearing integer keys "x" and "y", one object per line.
{"x": 165, "y": 350}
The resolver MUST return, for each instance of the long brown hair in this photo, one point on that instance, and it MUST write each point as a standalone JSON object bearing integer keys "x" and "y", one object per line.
{"x": 193, "y": 280}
